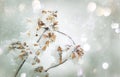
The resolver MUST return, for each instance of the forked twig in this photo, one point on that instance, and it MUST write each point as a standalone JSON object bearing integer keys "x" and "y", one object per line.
{"x": 27, "y": 57}
{"x": 55, "y": 65}
{"x": 66, "y": 36}
{"x": 65, "y": 59}
{"x": 51, "y": 66}
{"x": 41, "y": 35}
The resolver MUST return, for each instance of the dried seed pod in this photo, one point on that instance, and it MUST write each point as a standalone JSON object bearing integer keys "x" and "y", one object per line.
{"x": 20, "y": 47}
{"x": 22, "y": 55}
{"x": 40, "y": 23}
{"x": 45, "y": 36}
{"x": 79, "y": 52}
{"x": 37, "y": 59}
{"x": 73, "y": 55}
{"x": 49, "y": 35}
{"x": 55, "y": 15}
{"x": 35, "y": 44}
{"x": 59, "y": 49}
{"x": 44, "y": 48}
{"x": 37, "y": 52}
{"x": 55, "y": 23}
{"x": 47, "y": 43}
{"x": 44, "y": 12}
{"x": 55, "y": 28}
{"x": 17, "y": 45}
{"x": 38, "y": 28}
{"x": 53, "y": 37}
{"x": 50, "y": 18}
{"x": 39, "y": 69}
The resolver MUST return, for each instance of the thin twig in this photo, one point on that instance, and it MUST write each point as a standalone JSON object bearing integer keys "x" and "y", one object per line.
{"x": 65, "y": 59}
{"x": 55, "y": 65}
{"x": 41, "y": 35}
{"x": 27, "y": 57}
{"x": 67, "y": 36}
{"x": 20, "y": 67}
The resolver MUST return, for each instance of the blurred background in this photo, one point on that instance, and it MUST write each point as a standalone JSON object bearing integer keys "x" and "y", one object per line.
{"x": 94, "y": 24}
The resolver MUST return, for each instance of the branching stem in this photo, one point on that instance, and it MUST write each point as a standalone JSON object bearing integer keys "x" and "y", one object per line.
{"x": 55, "y": 65}
{"x": 65, "y": 59}
{"x": 27, "y": 57}
{"x": 67, "y": 36}
{"x": 51, "y": 66}
{"x": 41, "y": 35}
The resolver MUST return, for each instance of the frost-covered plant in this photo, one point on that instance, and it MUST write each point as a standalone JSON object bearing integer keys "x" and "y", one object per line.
{"x": 37, "y": 42}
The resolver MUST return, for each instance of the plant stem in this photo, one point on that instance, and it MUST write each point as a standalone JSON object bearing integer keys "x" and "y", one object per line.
{"x": 20, "y": 67}
{"x": 55, "y": 65}
{"x": 41, "y": 35}
{"x": 51, "y": 66}
{"x": 65, "y": 59}
{"x": 67, "y": 36}
{"x": 27, "y": 56}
